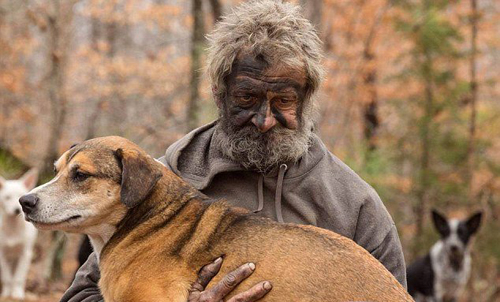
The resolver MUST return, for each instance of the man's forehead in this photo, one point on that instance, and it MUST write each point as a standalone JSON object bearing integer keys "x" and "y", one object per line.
{"x": 256, "y": 66}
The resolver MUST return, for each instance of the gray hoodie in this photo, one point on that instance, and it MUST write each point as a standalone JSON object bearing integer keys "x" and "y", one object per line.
{"x": 319, "y": 190}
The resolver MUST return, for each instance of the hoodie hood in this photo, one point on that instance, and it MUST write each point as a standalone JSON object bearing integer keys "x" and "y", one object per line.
{"x": 197, "y": 159}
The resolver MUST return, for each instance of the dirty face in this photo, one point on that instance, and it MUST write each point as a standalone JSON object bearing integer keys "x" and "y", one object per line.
{"x": 264, "y": 95}
{"x": 12, "y": 190}
{"x": 263, "y": 122}
{"x": 88, "y": 189}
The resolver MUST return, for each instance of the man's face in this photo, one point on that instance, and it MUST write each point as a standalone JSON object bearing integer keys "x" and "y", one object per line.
{"x": 264, "y": 95}
{"x": 263, "y": 114}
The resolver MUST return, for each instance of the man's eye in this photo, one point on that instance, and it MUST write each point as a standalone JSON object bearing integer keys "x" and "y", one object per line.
{"x": 246, "y": 100}
{"x": 284, "y": 103}
{"x": 80, "y": 176}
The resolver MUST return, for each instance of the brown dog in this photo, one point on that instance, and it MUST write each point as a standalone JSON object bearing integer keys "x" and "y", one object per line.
{"x": 153, "y": 232}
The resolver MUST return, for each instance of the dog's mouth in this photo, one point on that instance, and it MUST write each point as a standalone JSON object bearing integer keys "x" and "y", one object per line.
{"x": 53, "y": 224}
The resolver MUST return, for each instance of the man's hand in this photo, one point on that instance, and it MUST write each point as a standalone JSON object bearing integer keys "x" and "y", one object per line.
{"x": 226, "y": 285}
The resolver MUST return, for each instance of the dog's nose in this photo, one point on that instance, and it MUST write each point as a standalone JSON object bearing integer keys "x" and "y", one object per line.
{"x": 17, "y": 211}
{"x": 28, "y": 202}
{"x": 454, "y": 249}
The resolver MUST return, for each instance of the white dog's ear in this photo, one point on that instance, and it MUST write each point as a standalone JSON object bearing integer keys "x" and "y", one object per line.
{"x": 30, "y": 178}
{"x": 139, "y": 176}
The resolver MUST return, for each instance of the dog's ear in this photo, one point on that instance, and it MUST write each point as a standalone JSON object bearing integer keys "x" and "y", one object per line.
{"x": 139, "y": 176}
{"x": 30, "y": 178}
{"x": 441, "y": 223}
{"x": 474, "y": 222}
{"x": 2, "y": 181}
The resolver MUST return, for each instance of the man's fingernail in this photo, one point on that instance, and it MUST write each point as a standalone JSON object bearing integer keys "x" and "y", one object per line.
{"x": 218, "y": 260}
{"x": 267, "y": 285}
{"x": 252, "y": 266}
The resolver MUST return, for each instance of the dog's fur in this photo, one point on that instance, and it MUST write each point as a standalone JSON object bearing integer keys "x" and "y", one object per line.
{"x": 17, "y": 237}
{"x": 153, "y": 232}
{"x": 442, "y": 274}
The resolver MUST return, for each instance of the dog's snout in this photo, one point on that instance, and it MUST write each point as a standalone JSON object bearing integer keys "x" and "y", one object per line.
{"x": 454, "y": 249}
{"x": 28, "y": 202}
{"x": 17, "y": 211}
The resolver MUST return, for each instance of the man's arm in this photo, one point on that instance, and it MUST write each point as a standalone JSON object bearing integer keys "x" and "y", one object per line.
{"x": 390, "y": 254}
{"x": 84, "y": 287}
{"x": 377, "y": 233}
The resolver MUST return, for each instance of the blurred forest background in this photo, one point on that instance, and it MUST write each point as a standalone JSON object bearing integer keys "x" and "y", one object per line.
{"x": 410, "y": 102}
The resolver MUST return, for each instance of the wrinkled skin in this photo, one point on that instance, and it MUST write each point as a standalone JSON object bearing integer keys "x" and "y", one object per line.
{"x": 264, "y": 95}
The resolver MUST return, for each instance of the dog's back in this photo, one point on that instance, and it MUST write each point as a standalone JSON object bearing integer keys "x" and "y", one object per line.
{"x": 420, "y": 277}
{"x": 304, "y": 263}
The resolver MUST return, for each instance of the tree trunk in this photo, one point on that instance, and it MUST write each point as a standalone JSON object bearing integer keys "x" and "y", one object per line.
{"x": 425, "y": 127}
{"x": 472, "y": 101}
{"x": 55, "y": 87}
{"x": 196, "y": 52}
{"x": 371, "y": 120}
{"x": 216, "y": 10}
{"x": 59, "y": 20}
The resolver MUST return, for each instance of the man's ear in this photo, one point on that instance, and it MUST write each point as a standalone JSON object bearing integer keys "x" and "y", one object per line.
{"x": 474, "y": 222}
{"x": 441, "y": 223}
{"x": 30, "y": 178}
{"x": 216, "y": 96}
{"x": 139, "y": 176}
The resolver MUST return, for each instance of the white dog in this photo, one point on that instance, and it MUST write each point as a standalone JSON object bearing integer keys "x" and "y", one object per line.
{"x": 17, "y": 237}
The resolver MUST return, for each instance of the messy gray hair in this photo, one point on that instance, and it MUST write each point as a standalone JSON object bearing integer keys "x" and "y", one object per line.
{"x": 270, "y": 28}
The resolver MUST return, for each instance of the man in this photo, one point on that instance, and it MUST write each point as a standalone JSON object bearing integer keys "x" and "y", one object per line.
{"x": 262, "y": 154}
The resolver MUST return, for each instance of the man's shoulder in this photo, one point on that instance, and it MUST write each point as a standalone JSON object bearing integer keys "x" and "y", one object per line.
{"x": 193, "y": 143}
{"x": 333, "y": 172}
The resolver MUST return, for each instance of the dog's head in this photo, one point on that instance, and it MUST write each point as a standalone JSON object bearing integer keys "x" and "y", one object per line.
{"x": 455, "y": 234}
{"x": 96, "y": 181}
{"x": 11, "y": 190}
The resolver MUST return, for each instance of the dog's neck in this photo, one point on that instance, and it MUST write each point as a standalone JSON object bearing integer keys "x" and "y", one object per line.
{"x": 99, "y": 236}
{"x": 168, "y": 197}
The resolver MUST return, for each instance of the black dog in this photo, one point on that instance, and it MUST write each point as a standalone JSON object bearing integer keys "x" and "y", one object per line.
{"x": 442, "y": 274}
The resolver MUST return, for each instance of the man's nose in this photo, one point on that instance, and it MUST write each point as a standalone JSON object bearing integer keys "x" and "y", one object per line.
{"x": 28, "y": 202}
{"x": 264, "y": 119}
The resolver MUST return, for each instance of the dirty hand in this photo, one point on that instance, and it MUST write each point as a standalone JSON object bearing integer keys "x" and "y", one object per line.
{"x": 226, "y": 285}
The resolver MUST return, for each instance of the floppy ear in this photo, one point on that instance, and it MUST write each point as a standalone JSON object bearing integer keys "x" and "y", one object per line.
{"x": 474, "y": 222}
{"x": 30, "y": 178}
{"x": 139, "y": 176}
{"x": 441, "y": 223}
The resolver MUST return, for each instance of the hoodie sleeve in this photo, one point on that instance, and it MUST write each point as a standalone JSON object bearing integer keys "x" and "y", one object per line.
{"x": 390, "y": 254}
{"x": 377, "y": 233}
{"x": 84, "y": 287}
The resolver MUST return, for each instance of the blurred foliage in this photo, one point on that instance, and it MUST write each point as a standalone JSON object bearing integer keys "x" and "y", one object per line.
{"x": 123, "y": 68}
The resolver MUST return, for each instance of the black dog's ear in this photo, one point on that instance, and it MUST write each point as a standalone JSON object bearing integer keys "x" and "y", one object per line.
{"x": 474, "y": 222}
{"x": 139, "y": 176}
{"x": 441, "y": 223}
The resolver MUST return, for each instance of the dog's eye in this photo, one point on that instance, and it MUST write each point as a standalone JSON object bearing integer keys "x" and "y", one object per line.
{"x": 80, "y": 176}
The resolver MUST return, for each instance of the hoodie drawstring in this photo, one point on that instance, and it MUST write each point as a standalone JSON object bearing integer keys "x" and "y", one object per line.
{"x": 279, "y": 192}
{"x": 261, "y": 193}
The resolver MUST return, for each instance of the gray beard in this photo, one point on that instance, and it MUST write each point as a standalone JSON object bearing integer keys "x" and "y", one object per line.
{"x": 263, "y": 152}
